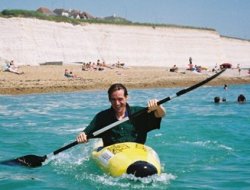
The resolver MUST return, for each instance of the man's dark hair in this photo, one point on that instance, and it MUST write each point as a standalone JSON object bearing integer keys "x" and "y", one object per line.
{"x": 115, "y": 87}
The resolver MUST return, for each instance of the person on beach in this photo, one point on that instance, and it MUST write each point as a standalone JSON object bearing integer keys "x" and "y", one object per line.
{"x": 174, "y": 69}
{"x": 241, "y": 99}
{"x": 190, "y": 65}
{"x": 190, "y": 60}
{"x": 69, "y": 74}
{"x": 239, "y": 69}
{"x": 215, "y": 69}
{"x": 134, "y": 130}
{"x": 10, "y": 67}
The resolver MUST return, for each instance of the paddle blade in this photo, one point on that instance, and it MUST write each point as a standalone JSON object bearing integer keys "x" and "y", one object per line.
{"x": 28, "y": 160}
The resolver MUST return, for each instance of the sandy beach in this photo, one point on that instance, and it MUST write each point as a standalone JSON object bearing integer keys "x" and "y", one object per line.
{"x": 50, "y": 78}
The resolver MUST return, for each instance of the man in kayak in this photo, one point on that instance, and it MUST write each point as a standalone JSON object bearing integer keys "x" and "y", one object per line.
{"x": 134, "y": 130}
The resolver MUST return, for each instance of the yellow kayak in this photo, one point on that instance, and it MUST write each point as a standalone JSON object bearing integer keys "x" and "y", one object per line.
{"x": 127, "y": 158}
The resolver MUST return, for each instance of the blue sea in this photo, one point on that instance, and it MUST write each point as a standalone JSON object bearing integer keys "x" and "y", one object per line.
{"x": 201, "y": 145}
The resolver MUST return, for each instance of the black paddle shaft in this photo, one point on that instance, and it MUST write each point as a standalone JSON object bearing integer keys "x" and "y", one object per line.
{"x": 181, "y": 92}
{"x": 35, "y": 161}
{"x": 65, "y": 147}
{"x": 131, "y": 117}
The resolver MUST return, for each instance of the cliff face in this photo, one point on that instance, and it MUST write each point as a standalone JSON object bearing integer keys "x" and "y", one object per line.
{"x": 32, "y": 41}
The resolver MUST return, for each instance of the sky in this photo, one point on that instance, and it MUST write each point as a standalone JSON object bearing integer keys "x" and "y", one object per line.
{"x": 228, "y": 17}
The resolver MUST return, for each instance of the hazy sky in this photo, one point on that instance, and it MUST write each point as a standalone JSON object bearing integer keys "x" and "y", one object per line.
{"x": 228, "y": 17}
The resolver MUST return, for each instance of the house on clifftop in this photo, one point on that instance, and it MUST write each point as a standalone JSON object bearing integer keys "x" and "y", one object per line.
{"x": 72, "y": 13}
{"x": 45, "y": 11}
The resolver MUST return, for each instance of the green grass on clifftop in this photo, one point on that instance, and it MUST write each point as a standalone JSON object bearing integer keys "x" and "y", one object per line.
{"x": 7, "y": 13}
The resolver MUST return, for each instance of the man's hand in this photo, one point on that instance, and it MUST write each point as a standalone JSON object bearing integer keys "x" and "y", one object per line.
{"x": 82, "y": 138}
{"x": 158, "y": 110}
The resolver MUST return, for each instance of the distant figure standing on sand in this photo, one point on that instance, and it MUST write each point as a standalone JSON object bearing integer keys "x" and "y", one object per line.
{"x": 190, "y": 65}
{"x": 215, "y": 69}
{"x": 239, "y": 69}
{"x": 190, "y": 60}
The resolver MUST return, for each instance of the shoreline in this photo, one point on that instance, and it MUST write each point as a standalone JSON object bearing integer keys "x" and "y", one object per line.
{"x": 51, "y": 79}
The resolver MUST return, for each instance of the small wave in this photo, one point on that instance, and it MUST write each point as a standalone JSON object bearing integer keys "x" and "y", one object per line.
{"x": 62, "y": 130}
{"x": 209, "y": 144}
{"x": 164, "y": 177}
{"x": 129, "y": 181}
{"x": 17, "y": 176}
{"x": 226, "y": 147}
{"x": 65, "y": 159}
{"x": 74, "y": 130}
{"x": 158, "y": 134}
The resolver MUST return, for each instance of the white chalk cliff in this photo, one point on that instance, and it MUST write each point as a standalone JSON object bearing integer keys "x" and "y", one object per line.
{"x": 33, "y": 41}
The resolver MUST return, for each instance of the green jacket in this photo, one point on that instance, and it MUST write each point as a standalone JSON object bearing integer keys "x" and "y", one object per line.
{"x": 129, "y": 131}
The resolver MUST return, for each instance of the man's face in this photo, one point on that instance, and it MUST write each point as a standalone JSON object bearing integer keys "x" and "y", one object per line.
{"x": 118, "y": 101}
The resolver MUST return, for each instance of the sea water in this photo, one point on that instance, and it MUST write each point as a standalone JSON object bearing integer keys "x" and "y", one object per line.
{"x": 201, "y": 145}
